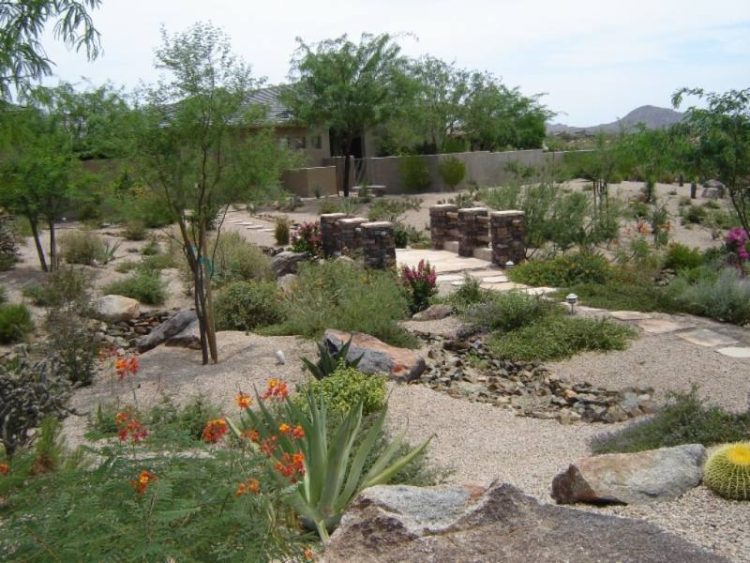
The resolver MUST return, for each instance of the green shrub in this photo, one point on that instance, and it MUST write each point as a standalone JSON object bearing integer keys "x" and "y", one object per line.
{"x": 151, "y": 248}
{"x": 180, "y": 424}
{"x": 345, "y": 296}
{"x": 509, "y": 311}
{"x": 330, "y": 360}
{"x": 281, "y": 231}
{"x": 15, "y": 323}
{"x": 3, "y": 297}
{"x": 158, "y": 262}
{"x": 392, "y": 209}
{"x": 452, "y": 171}
{"x": 469, "y": 293}
{"x": 247, "y": 305}
{"x": 126, "y": 266}
{"x": 616, "y": 295}
{"x": 82, "y": 247}
{"x": 145, "y": 286}
{"x": 563, "y": 271}
{"x": 557, "y": 337}
{"x": 414, "y": 173}
{"x": 683, "y": 420}
{"x": 693, "y": 214}
{"x": 725, "y": 298}
{"x": 238, "y": 260}
{"x": 64, "y": 285}
{"x": 344, "y": 389}
{"x": 8, "y": 245}
{"x": 681, "y": 257}
{"x": 72, "y": 343}
{"x": 135, "y": 230}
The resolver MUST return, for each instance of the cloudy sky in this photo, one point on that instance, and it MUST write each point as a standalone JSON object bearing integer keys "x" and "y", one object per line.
{"x": 595, "y": 60}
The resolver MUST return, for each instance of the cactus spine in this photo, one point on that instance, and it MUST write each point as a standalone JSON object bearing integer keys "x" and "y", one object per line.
{"x": 727, "y": 471}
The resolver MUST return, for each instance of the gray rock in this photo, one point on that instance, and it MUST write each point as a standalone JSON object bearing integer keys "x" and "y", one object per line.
{"x": 171, "y": 327}
{"x": 286, "y": 262}
{"x": 407, "y": 524}
{"x": 434, "y": 312}
{"x": 115, "y": 308}
{"x": 641, "y": 477}
{"x": 286, "y": 282}
{"x": 189, "y": 337}
{"x": 377, "y": 356}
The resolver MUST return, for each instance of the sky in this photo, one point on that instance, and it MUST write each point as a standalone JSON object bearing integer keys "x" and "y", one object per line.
{"x": 594, "y": 60}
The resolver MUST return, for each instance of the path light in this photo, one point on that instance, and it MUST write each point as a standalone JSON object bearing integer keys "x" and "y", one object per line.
{"x": 572, "y": 299}
{"x": 509, "y": 264}
{"x": 280, "y": 359}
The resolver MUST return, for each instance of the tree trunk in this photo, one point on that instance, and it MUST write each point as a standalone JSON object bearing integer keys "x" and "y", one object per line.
{"x": 207, "y": 297}
{"x": 52, "y": 246}
{"x": 347, "y": 170}
{"x": 38, "y": 244}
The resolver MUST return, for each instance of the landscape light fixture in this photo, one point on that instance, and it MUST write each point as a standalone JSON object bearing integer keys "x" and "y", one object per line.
{"x": 572, "y": 299}
{"x": 509, "y": 264}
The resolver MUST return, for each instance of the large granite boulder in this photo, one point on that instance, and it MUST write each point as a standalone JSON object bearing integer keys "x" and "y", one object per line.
{"x": 286, "y": 262}
{"x": 169, "y": 328}
{"x": 641, "y": 477}
{"x": 405, "y": 524}
{"x": 189, "y": 337}
{"x": 115, "y": 308}
{"x": 377, "y": 357}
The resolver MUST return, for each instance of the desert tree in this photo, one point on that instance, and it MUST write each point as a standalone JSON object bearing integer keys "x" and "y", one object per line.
{"x": 201, "y": 146}
{"x": 348, "y": 87}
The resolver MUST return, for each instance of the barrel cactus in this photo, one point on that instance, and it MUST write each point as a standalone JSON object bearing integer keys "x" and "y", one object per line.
{"x": 727, "y": 471}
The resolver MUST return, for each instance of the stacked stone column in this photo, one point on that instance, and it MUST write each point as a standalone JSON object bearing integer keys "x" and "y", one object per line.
{"x": 472, "y": 231}
{"x": 350, "y": 234}
{"x": 508, "y": 237}
{"x": 443, "y": 224}
{"x": 329, "y": 233}
{"x": 378, "y": 244}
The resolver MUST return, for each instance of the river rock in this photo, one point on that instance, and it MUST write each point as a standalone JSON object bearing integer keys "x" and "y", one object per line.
{"x": 636, "y": 478}
{"x": 115, "y": 308}
{"x": 406, "y": 524}
{"x": 169, "y": 328}
{"x": 434, "y": 312}
{"x": 377, "y": 356}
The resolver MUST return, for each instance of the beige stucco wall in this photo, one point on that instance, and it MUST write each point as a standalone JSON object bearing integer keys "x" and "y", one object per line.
{"x": 312, "y": 156}
{"x": 304, "y": 181}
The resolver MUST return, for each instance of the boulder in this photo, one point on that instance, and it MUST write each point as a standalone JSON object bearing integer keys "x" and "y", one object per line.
{"x": 286, "y": 262}
{"x": 434, "y": 312}
{"x": 286, "y": 282}
{"x": 377, "y": 356}
{"x": 641, "y": 477}
{"x": 413, "y": 525}
{"x": 115, "y": 308}
{"x": 169, "y": 328}
{"x": 189, "y": 337}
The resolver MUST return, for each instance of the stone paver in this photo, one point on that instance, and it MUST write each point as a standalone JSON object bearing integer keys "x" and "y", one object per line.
{"x": 706, "y": 337}
{"x": 442, "y": 260}
{"x": 735, "y": 352}
{"x": 661, "y": 326}
{"x": 630, "y": 315}
{"x": 507, "y": 286}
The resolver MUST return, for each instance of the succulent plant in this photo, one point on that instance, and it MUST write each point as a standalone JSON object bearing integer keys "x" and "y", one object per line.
{"x": 727, "y": 471}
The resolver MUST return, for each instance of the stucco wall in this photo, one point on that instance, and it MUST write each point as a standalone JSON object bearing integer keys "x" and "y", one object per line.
{"x": 304, "y": 181}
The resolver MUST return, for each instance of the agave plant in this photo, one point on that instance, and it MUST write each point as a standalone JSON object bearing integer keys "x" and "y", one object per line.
{"x": 334, "y": 471}
{"x": 328, "y": 361}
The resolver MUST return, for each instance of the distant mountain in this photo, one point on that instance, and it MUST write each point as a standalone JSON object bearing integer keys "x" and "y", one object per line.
{"x": 651, "y": 116}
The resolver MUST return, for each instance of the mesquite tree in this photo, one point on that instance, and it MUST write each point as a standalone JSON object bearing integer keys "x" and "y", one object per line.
{"x": 202, "y": 147}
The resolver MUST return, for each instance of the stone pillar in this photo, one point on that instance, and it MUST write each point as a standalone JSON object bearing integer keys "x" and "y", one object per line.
{"x": 472, "y": 231}
{"x": 443, "y": 224}
{"x": 329, "y": 233}
{"x": 508, "y": 237}
{"x": 350, "y": 233}
{"x": 379, "y": 245}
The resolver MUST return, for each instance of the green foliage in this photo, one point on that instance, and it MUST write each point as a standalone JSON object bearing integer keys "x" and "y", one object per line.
{"x": 681, "y": 257}
{"x": 329, "y": 361}
{"x": 143, "y": 285}
{"x": 344, "y": 296}
{"x": 415, "y": 175}
{"x": 172, "y": 424}
{"x": 156, "y": 262}
{"x": 135, "y": 229}
{"x": 62, "y": 286}
{"x": 15, "y": 323}
{"x": 72, "y": 344}
{"x": 307, "y": 238}
{"x": 452, "y": 171}
{"x": 618, "y": 295}
{"x": 563, "y": 271}
{"x": 420, "y": 283}
{"x": 3, "y": 297}
{"x": 392, "y": 209}
{"x": 505, "y": 312}
{"x": 727, "y": 471}
{"x": 558, "y": 337}
{"x": 281, "y": 231}
{"x": 725, "y": 298}
{"x": 694, "y": 214}
{"x": 82, "y": 247}
{"x": 344, "y": 389}
{"x": 248, "y": 305}
{"x": 683, "y": 420}
{"x": 235, "y": 259}
{"x": 469, "y": 293}
{"x": 8, "y": 246}
{"x": 151, "y": 248}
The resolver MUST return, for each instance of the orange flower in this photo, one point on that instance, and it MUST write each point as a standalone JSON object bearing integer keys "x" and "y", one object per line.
{"x": 291, "y": 465}
{"x": 276, "y": 389}
{"x": 214, "y": 430}
{"x": 249, "y": 486}
{"x": 125, "y": 366}
{"x": 298, "y": 432}
{"x": 129, "y": 426}
{"x": 309, "y": 554}
{"x": 4, "y": 468}
{"x": 243, "y": 400}
{"x": 252, "y": 435}
{"x": 268, "y": 446}
{"x": 284, "y": 428}
{"x": 140, "y": 484}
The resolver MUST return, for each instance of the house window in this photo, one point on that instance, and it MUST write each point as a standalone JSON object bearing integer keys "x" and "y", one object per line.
{"x": 297, "y": 143}
{"x": 316, "y": 142}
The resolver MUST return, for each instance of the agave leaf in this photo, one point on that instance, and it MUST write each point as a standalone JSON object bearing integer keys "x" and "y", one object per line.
{"x": 313, "y": 369}
{"x": 396, "y": 466}
{"x": 382, "y": 462}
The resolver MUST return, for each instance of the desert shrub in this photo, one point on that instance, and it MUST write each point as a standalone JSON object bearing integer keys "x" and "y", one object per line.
{"x": 306, "y": 238}
{"x": 469, "y": 293}
{"x": 236, "y": 259}
{"x": 126, "y": 266}
{"x": 684, "y": 419}
{"x": 414, "y": 173}
{"x": 557, "y": 337}
{"x": 452, "y": 171}
{"x": 64, "y": 285}
{"x": 143, "y": 285}
{"x": 82, "y": 247}
{"x": 617, "y": 295}
{"x": 281, "y": 231}
{"x": 345, "y": 296}
{"x": 247, "y": 305}
{"x": 135, "y": 230}
{"x": 725, "y": 298}
{"x": 693, "y": 214}
{"x": 158, "y": 262}
{"x": 392, "y": 209}
{"x": 681, "y": 257}
{"x": 563, "y": 271}
{"x": 151, "y": 248}
{"x": 331, "y": 359}
{"x": 15, "y": 323}
{"x": 8, "y": 246}
{"x": 505, "y": 312}
{"x": 346, "y": 205}
{"x": 71, "y": 344}
{"x": 183, "y": 424}
{"x": 344, "y": 389}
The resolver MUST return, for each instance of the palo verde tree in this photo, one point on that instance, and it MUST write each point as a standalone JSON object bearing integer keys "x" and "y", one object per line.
{"x": 201, "y": 147}
{"x": 22, "y": 57}
{"x": 720, "y": 133}
{"x": 347, "y": 87}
